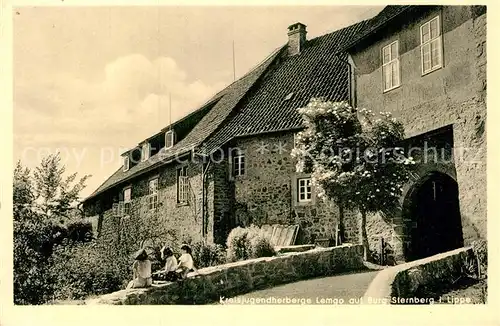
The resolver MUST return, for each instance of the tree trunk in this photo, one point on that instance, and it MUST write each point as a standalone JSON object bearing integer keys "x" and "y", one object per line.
{"x": 364, "y": 236}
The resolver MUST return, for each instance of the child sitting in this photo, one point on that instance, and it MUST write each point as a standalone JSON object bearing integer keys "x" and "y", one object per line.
{"x": 186, "y": 263}
{"x": 142, "y": 271}
{"x": 168, "y": 273}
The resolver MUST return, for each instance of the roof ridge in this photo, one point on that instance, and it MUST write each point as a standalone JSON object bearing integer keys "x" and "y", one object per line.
{"x": 341, "y": 29}
{"x": 274, "y": 53}
{"x": 214, "y": 98}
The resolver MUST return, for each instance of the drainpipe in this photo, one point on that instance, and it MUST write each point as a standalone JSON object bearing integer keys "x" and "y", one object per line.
{"x": 350, "y": 83}
{"x": 204, "y": 170}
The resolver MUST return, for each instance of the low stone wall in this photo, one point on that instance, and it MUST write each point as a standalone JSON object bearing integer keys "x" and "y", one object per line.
{"x": 408, "y": 283}
{"x": 224, "y": 281}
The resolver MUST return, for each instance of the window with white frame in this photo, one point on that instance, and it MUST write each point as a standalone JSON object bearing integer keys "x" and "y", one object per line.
{"x": 153, "y": 194}
{"x": 169, "y": 139}
{"x": 390, "y": 65}
{"x": 145, "y": 152}
{"x": 238, "y": 163}
{"x": 431, "y": 45}
{"x": 127, "y": 200}
{"x": 182, "y": 185}
{"x": 126, "y": 163}
{"x": 304, "y": 193}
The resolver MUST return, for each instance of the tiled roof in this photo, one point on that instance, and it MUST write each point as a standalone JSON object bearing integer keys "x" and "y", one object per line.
{"x": 373, "y": 24}
{"x": 226, "y": 100}
{"x": 290, "y": 84}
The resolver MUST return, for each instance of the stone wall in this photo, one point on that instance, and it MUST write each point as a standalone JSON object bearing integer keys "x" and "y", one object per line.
{"x": 416, "y": 279}
{"x": 215, "y": 283}
{"x": 453, "y": 95}
{"x": 265, "y": 194}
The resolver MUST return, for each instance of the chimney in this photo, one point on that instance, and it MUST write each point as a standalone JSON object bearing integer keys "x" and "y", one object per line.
{"x": 296, "y": 38}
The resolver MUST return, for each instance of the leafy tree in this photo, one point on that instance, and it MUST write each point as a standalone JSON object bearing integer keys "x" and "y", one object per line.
{"x": 41, "y": 201}
{"x": 55, "y": 196}
{"x": 353, "y": 157}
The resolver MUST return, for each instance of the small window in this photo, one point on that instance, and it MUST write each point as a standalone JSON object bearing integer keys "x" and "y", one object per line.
{"x": 169, "y": 139}
{"x": 238, "y": 163}
{"x": 146, "y": 151}
{"x": 126, "y": 163}
{"x": 390, "y": 66}
{"x": 431, "y": 45}
{"x": 182, "y": 185}
{"x": 127, "y": 200}
{"x": 304, "y": 190}
{"x": 153, "y": 194}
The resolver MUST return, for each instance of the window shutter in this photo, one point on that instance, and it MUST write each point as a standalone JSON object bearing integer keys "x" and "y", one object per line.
{"x": 186, "y": 189}
{"x": 120, "y": 209}
{"x": 230, "y": 164}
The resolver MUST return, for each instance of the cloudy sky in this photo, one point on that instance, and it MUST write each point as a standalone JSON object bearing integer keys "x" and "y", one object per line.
{"x": 93, "y": 82}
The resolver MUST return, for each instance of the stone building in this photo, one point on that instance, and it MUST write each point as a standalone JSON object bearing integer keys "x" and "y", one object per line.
{"x": 427, "y": 66}
{"x": 229, "y": 163}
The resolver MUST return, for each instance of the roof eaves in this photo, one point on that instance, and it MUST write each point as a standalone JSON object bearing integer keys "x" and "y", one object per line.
{"x": 163, "y": 161}
{"x": 371, "y": 31}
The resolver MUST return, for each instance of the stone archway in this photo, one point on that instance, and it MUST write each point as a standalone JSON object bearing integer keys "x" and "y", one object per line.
{"x": 431, "y": 207}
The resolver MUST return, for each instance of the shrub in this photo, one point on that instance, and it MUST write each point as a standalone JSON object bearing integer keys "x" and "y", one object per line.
{"x": 32, "y": 283}
{"x": 80, "y": 270}
{"x": 245, "y": 243}
{"x": 261, "y": 247}
{"x": 80, "y": 230}
{"x": 205, "y": 255}
{"x": 238, "y": 244}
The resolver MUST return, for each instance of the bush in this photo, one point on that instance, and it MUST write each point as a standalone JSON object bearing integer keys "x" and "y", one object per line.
{"x": 261, "y": 247}
{"x": 205, "y": 255}
{"x": 245, "y": 243}
{"x": 32, "y": 283}
{"x": 238, "y": 244}
{"x": 80, "y": 270}
{"x": 80, "y": 230}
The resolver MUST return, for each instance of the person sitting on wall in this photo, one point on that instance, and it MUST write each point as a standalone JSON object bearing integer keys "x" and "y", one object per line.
{"x": 142, "y": 271}
{"x": 168, "y": 273}
{"x": 186, "y": 263}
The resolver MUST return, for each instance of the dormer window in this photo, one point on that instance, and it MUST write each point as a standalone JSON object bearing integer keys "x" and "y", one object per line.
{"x": 145, "y": 152}
{"x": 126, "y": 163}
{"x": 169, "y": 139}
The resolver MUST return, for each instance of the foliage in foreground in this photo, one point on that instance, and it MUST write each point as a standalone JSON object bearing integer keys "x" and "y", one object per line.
{"x": 246, "y": 243}
{"x": 44, "y": 207}
{"x": 205, "y": 255}
{"x": 354, "y": 156}
{"x": 80, "y": 270}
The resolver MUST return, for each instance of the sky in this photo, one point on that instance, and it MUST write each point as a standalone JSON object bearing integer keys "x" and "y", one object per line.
{"x": 92, "y": 82}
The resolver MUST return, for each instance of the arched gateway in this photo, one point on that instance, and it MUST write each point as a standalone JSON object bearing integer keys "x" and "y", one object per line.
{"x": 432, "y": 209}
